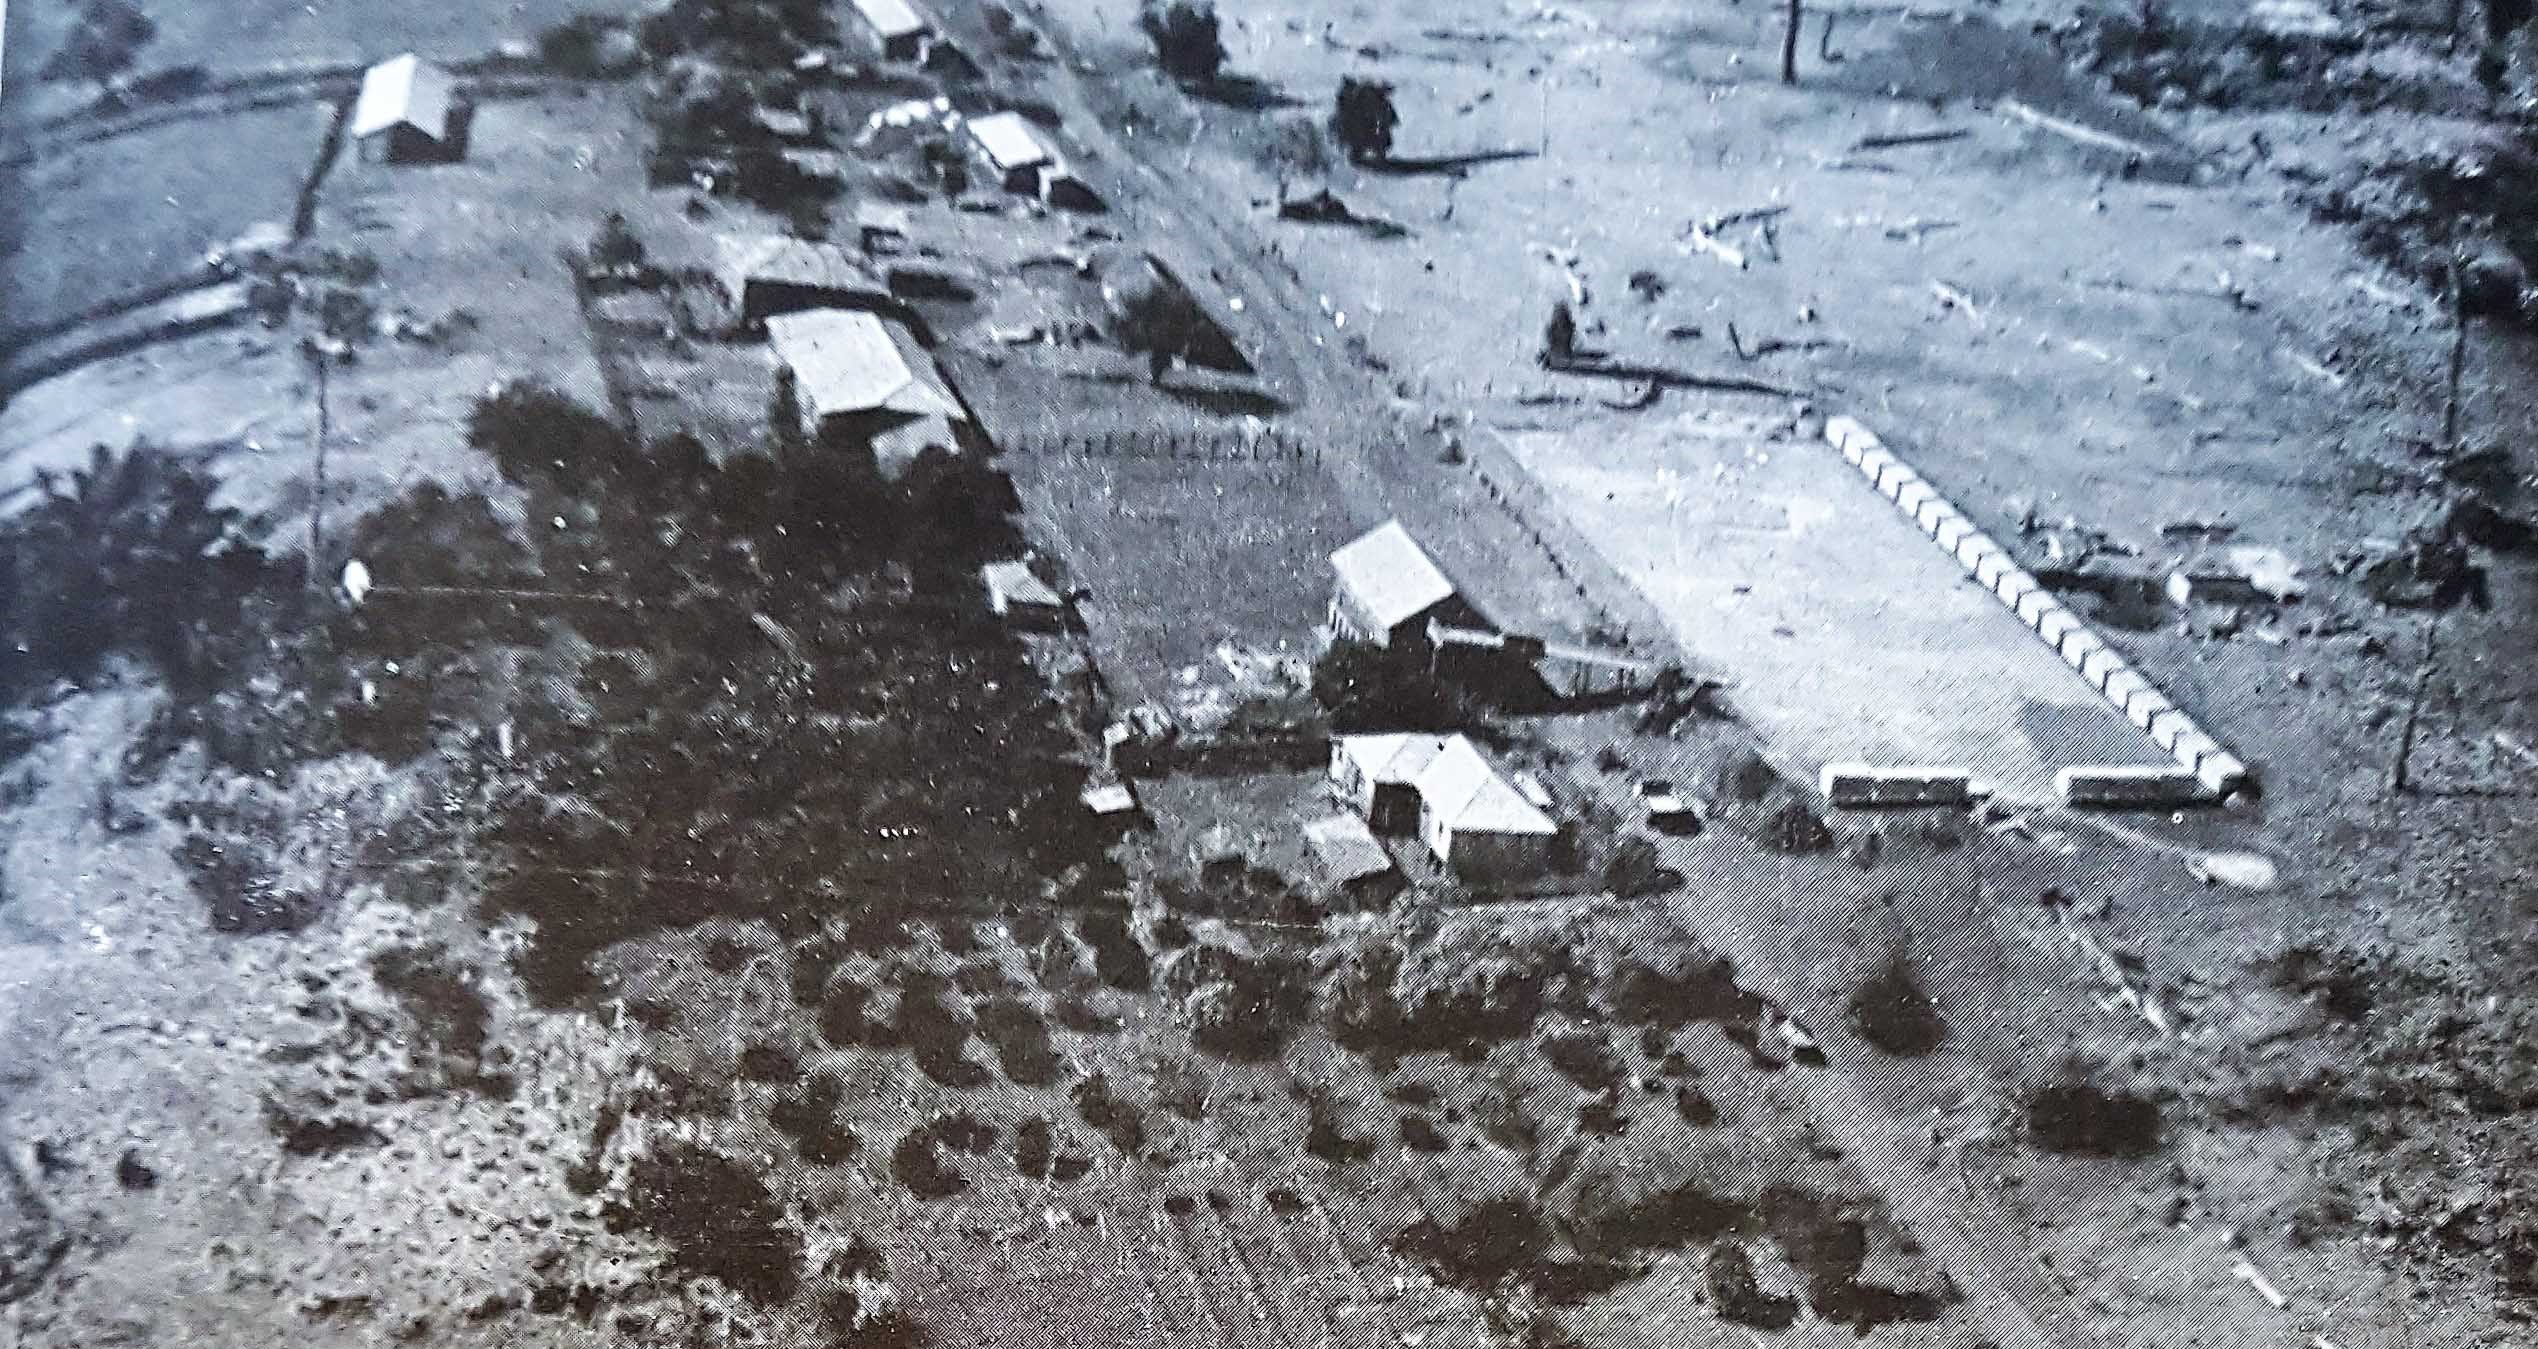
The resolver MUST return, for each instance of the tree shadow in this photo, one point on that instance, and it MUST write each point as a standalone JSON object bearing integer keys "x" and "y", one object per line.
{"x": 1449, "y": 165}
{"x": 1248, "y": 93}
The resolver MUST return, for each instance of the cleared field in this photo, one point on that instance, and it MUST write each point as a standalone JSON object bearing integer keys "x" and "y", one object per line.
{"x": 1847, "y": 634}
{"x": 115, "y": 217}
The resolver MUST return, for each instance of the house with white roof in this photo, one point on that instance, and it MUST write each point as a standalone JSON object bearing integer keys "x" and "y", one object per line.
{"x": 1386, "y": 589}
{"x": 1377, "y": 776}
{"x": 1480, "y": 827}
{"x": 862, "y": 378}
{"x": 1015, "y": 151}
{"x": 897, "y": 27}
{"x": 406, "y": 111}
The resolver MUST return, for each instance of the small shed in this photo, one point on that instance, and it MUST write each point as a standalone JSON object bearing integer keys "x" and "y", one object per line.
{"x": 859, "y": 377}
{"x": 1348, "y": 858}
{"x": 903, "y": 33}
{"x": 1014, "y": 150}
{"x": 1483, "y": 832}
{"x": 406, "y": 111}
{"x": 769, "y": 274}
{"x": 1385, "y": 589}
{"x": 1377, "y": 776}
{"x": 1019, "y": 597}
{"x": 1111, "y": 802}
{"x": 883, "y": 227}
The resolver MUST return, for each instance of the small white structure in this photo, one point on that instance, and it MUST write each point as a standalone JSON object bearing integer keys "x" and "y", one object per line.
{"x": 404, "y": 110}
{"x": 1378, "y": 776}
{"x": 903, "y": 33}
{"x": 1483, "y": 831}
{"x": 2139, "y": 786}
{"x": 1014, "y": 149}
{"x": 1386, "y": 587}
{"x": 858, "y": 376}
{"x": 1014, "y": 594}
{"x": 1112, "y": 801}
{"x": 1348, "y": 855}
{"x": 1854, "y": 785}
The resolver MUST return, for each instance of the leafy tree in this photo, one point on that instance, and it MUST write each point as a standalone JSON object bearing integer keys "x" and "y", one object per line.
{"x": 104, "y": 43}
{"x": 1162, "y": 320}
{"x": 128, "y": 555}
{"x": 1187, "y": 37}
{"x": 1363, "y": 118}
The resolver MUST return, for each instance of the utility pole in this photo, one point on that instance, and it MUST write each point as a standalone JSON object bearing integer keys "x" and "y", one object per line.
{"x": 2414, "y": 707}
{"x": 2458, "y": 356}
{"x": 1789, "y": 44}
{"x": 317, "y": 364}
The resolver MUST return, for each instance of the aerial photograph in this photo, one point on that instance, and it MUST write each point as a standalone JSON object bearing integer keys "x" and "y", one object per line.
{"x": 1269, "y": 674}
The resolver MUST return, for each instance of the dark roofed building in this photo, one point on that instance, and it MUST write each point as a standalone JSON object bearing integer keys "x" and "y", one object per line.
{"x": 769, "y": 274}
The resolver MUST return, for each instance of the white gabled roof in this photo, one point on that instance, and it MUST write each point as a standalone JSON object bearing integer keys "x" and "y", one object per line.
{"x": 845, "y": 360}
{"x": 1467, "y": 795}
{"x": 403, "y": 91}
{"x": 1396, "y": 757}
{"x": 1346, "y": 848}
{"x": 781, "y": 260}
{"x": 1014, "y": 582}
{"x": 892, "y": 18}
{"x": 1009, "y": 141}
{"x": 1390, "y": 575}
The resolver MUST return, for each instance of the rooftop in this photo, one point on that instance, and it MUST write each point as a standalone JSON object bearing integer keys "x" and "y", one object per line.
{"x": 404, "y": 91}
{"x": 1010, "y": 141}
{"x": 1346, "y": 849}
{"x": 892, "y": 18}
{"x": 1392, "y": 758}
{"x": 1390, "y": 576}
{"x": 1017, "y": 585}
{"x": 779, "y": 260}
{"x": 845, "y": 360}
{"x": 1465, "y": 793}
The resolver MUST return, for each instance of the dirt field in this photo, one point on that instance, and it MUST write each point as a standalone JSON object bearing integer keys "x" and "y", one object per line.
{"x": 610, "y": 996}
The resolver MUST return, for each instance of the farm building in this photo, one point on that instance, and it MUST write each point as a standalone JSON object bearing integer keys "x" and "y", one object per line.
{"x": 1482, "y": 830}
{"x": 1349, "y": 860}
{"x": 1020, "y": 158}
{"x": 1378, "y": 775}
{"x": 407, "y": 111}
{"x": 903, "y": 33}
{"x": 1386, "y": 589}
{"x": 1019, "y": 597}
{"x": 769, "y": 274}
{"x": 861, "y": 378}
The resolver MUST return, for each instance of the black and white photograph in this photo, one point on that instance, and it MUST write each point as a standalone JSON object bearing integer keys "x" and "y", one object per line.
{"x": 1269, "y": 674}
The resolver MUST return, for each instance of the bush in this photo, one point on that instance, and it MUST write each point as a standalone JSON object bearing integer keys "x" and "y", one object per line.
{"x": 1584, "y": 1058}
{"x": 1893, "y": 1011}
{"x": 1795, "y": 829}
{"x": 1367, "y": 688}
{"x": 104, "y": 43}
{"x": 1496, "y": 1240}
{"x": 1114, "y": 1117}
{"x": 718, "y": 1219}
{"x": 589, "y": 47}
{"x": 2074, "y": 1114}
{"x": 1635, "y": 869}
{"x": 1363, "y": 119}
{"x": 1187, "y": 38}
{"x": 1739, "y": 1295}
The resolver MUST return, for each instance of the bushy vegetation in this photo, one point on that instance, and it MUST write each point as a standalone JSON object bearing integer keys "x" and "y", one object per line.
{"x": 1366, "y": 688}
{"x": 1892, "y": 1010}
{"x": 717, "y": 1218}
{"x": 1363, "y": 119}
{"x": 1187, "y": 37}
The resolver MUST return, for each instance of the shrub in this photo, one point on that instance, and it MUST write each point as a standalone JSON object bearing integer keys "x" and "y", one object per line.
{"x": 1893, "y": 1011}
{"x": 1363, "y": 119}
{"x": 1496, "y": 1240}
{"x": 1739, "y": 1295}
{"x": 2073, "y": 1113}
{"x": 1635, "y": 869}
{"x": 716, "y": 1216}
{"x": 1368, "y": 688}
{"x": 1114, "y": 1117}
{"x": 1584, "y": 1058}
{"x": 1795, "y": 829}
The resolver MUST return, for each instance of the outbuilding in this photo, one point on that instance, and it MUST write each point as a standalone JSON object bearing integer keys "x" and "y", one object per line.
{"x": 1386, "y": 589}
{"x": 1481, "y": 829}
{"x": 1021, "y": 598}
{"x": 861, "y": 378}
{"x": 1020, "y": 159}
{"x": 764, "y": 275}
{"x": 406, "y": 111}
{"x": 1378, "y": 775}
{"x": 902, "y": 33}
{"x": 1349, "y": 860}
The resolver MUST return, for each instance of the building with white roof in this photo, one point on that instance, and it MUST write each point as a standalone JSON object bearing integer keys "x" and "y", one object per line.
{"x": 405, "y": 111}
{"x": 1483, "y": 831}
{"x": 1014, "y": 150}
{"x": 859, "y": 377}
{"x": 1386, "y": 588}
{"x": 1377, "y": 776}
{"x": 901, "y": 31}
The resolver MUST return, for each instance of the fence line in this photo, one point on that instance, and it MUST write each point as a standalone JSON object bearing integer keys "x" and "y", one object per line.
{"x": 1203, "y": 447}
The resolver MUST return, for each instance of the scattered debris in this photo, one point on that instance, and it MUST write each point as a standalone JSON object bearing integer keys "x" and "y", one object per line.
{"x": 1951, "y": 297}
{"x": 2247, "y": 1273}
{"x": 1899, "y": 139}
